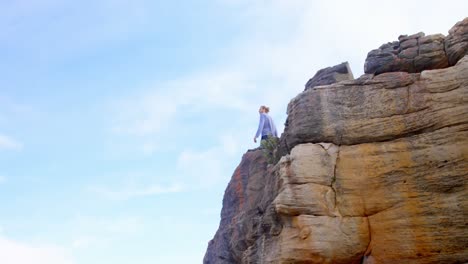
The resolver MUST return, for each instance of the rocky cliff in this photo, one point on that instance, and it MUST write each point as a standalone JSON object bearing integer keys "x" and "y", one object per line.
{"x": 373, "y": 170}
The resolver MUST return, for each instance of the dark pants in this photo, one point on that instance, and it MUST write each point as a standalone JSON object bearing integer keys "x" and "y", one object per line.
{"x": 264, "y": 137}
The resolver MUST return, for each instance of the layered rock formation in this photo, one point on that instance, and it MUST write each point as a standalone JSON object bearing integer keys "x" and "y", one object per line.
{"x": 418, "y": 52}
{"x": 374, "y": 170}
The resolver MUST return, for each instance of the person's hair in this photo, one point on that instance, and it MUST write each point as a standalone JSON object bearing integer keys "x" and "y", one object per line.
{"x": 266, "y": 108}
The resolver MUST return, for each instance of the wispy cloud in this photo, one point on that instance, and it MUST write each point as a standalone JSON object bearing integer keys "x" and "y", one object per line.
{"x": 155, "y": 119}
{"x": 146, "y": 115}
{"x": 94, "y": 231}
{"x": 40, "y": 21}
{"x": 9, "y": 143}
{"x": 13, "y": 108}
{"x": 131, "y": 192}
{"x": 158, "y": 107}
{"x": 282, "y": 45}
{"x": 202, "y": 168}
{"x": 14, "y": 252}
{"x": 84, "y": 241}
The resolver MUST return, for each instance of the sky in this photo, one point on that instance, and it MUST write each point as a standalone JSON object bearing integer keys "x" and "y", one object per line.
{"x": 122, "y": 121}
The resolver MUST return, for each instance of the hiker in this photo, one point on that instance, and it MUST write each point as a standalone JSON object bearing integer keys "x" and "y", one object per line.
{"x": 266, "y": 127}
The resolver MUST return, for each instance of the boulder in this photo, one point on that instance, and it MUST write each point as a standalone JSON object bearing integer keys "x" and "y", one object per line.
{"x": 418, "y": 52}
{"x": 385, "y": 107}
{"x": 456, "y": 43}
{"x": 337, "y": 73}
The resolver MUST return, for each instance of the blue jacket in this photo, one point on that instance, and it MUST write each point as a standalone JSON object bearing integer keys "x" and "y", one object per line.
{"x": 266, "y": 126}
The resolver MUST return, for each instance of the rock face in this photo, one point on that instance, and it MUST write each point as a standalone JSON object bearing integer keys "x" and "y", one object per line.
{"x": 248, "y": 212}
{"x": 456, "y": 43}
{"x": 337, "y": 73}
{"x": 374, "y": 170}
{"x": 388, "y": 106}
{"x": 418, "y": 52}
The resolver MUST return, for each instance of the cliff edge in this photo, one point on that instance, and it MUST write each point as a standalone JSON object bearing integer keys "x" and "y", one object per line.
{"x": 373, "y": 170}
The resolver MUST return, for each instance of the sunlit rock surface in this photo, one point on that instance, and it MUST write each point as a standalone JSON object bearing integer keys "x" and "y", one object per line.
{"x": 373, "y": 170}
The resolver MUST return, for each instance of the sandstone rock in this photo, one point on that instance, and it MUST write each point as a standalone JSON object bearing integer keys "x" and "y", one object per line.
{"x": 330, "y": 75}
{"x": 321, "y": 239}
{"x": 413, "y": 191}
{"x": 388, "y": 106}
{"x": 308, "y": 198}
{"x": 409, "y": 53}
{"x": 373, "y": 170}
{"x": 309, "y": 163}
{"x": 307, "y": 176}
{"x": 247, "y": 210}
{"x": 417, "y": 52}
{"x": 407, "y": 199}
{"x": 409, "y": 43}
{"x": 379, "y": 61}
{"x": 456, "y": 43}
{"x": 403, "y": 38}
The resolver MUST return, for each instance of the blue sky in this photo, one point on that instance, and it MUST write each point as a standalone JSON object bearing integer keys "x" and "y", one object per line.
{"x": 122, "y": 121}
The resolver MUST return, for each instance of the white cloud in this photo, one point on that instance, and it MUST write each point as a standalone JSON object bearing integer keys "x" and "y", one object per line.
{"x": 83, "y": 242}
{"x": 10, "y": 107}
{"x": 161, "y": 104}
{"x": 282, "y": 45}
{"x": 203, "y": 168}
{"x": 10, "y": 143}
{"x": 104, "y": 22}
{"x": 14, "y": 252}
{"x": 145, "y": 115}
{"x": 132, "y": 192}
{"x": 149, "y": 147}
{"x": 126, "y": 225}
{"x": 93, "y": 231}
{"x": 230, "y": 144}
{"x": 285, "y": 43}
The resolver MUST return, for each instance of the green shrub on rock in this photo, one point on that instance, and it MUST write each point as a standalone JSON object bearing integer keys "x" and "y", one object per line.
{"x": 268, "y": 147}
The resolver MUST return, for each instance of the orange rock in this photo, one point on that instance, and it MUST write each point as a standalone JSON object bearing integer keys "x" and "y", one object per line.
{"x": 375, "y": 170}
